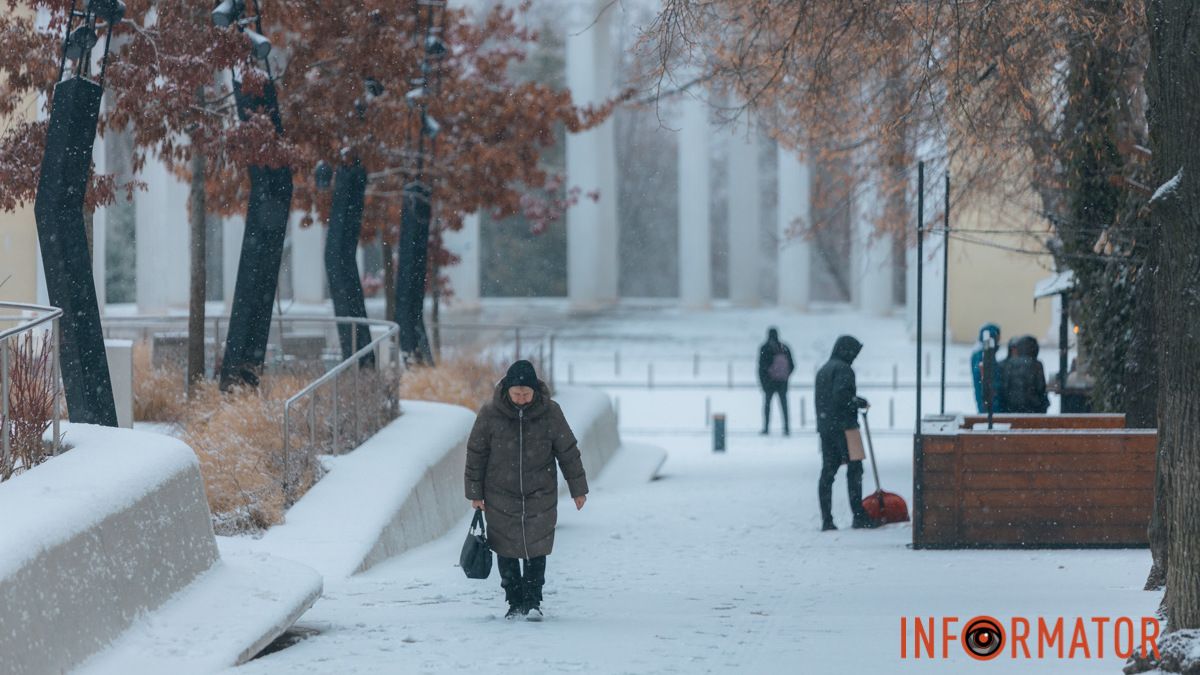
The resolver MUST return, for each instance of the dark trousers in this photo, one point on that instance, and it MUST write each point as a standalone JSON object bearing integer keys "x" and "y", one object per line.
{"x": 526, "y": 588}
{"x": 834, "y": 453}
{"x": 770, "y": 391}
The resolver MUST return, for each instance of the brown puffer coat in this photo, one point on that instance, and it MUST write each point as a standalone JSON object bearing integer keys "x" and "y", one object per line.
{"x": 510, "y": 465}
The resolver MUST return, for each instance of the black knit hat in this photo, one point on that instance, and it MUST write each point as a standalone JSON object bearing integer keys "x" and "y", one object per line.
{"x": 521, "y": 374}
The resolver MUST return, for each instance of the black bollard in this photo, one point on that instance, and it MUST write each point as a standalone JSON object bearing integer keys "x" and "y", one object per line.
{"x": 719, "y": 432}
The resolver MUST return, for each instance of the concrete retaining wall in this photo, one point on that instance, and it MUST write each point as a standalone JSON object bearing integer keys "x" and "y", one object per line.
{"x": 95, "y": 539}
{"x": 404, "y": 486}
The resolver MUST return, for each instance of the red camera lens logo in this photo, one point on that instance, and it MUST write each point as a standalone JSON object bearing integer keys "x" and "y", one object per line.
{"x": 983, "y": 638}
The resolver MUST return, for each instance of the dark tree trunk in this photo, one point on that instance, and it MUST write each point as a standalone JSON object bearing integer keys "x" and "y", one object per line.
{"x": 198, "y": 245}
{"x": 62, "y": 235}
{"x": 341, "y": 266}
{"x": 1141, "y": 411}
{"x": 412, "y": 273}
{"x": 389, "y": 276}
{"x": 262, "y": 253}
{"x": 1172, "y": 80}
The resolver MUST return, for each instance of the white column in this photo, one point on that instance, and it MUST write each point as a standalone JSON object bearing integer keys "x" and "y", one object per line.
{"x": 695, "y": 245}
{"x": 308, "y": 261}
{"x": 231, "y": 252}
{"x": 934, "y": 269}
{"x": 872, "y": 252}
{"x": 744, "y": 220}
{"x": 464, "y": 277}
{"x": 99, "y": 230}
{"x": 162, "y": 240}
{"x": 591, "y": 161}
{"x": 795, "y": 213}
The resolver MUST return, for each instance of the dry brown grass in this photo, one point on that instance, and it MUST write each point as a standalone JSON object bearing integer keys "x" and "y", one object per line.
{"x": 158, "y": 394}
{"x": 462, "y": 379}
{"x": 237, "y": 436}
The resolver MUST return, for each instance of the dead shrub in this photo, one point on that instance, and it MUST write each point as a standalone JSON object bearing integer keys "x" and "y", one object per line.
{"x": 158, "y": 394}
{"x": 30, "y": 403}
{"x": 238, "y": 437}
{"x": 462, "y": 379}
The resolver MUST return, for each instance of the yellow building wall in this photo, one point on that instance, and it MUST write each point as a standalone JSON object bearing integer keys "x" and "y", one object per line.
{"x": 18, "y": 231}
{"x": 989, "y": 284}
{"x": 18, "y": 256}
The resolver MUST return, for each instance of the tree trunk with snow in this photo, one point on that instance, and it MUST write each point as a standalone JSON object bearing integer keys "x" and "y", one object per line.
{"x": 198, "y": 280}
{"x": 1173, "y": 78}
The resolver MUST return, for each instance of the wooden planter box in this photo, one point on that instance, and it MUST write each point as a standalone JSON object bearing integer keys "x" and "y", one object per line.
{"x": 1070, "y": 481}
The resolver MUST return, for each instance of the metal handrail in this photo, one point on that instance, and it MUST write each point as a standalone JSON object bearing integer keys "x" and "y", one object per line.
{"x": 47, "y": 314}
{"x": 391, "y": 333}
{"x": 353, "y": 361}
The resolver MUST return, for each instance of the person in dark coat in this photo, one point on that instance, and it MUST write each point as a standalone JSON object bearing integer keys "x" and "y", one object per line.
{"x": 838, "y": 403}
{"x": 510, "y": 475}
{"x": 978, "y": 366}
{"x": 775, "y": 367}
{"x": 1023, "y": 380}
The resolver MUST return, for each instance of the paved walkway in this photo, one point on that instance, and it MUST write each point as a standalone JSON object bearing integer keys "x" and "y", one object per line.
{"x": 716, "y": 567}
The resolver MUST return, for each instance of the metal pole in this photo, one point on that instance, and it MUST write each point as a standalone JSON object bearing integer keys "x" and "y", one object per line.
{"x": 312, "y": 422}
{"x": 920, "y": 276}
{"x": 1064, "y": 335}
{"x": 552, "y": 360}
{"x": 287, "y": 448}
{"x": 336, "y": 412}
{"x": 517, "y": 331}
{"x": 5, "y": 423}
{"x": 945, "y": 285}
{"x": 56, "y": 373}
{"x": 357, "y": 390}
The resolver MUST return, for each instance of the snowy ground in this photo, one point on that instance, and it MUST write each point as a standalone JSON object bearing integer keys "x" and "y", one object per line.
{"x": 718, "y": 566}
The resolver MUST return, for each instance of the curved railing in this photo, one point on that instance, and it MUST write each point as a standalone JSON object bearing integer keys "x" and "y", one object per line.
{"x": 27, "y": 319}
{"x": 316, "y": 419}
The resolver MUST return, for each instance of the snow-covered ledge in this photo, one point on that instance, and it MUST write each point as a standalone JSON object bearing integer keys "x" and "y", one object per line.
{"x": 106, "y": 549}
{"x": 404, "y": 486}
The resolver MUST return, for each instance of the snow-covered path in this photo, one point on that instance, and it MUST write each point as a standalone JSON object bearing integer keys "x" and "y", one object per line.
{"x": 716, "y": 567}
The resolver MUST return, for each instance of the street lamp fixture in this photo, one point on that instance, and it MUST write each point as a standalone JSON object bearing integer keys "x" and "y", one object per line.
{"x": 260, "y": 46}
{"x": 228, "y": 12}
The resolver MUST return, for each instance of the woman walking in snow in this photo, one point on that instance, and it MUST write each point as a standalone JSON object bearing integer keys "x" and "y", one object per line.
{"x": 511, "y": 477}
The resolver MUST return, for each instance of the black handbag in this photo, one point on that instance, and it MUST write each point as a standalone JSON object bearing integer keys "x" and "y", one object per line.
{"x": 476, "y": 557}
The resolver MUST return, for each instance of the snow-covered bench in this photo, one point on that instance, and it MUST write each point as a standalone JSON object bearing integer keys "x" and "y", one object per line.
{"x": 107, "y": 553}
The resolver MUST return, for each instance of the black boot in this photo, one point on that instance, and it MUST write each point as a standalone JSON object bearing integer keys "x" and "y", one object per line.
{"x": 514, "y": 586}
{"x": 535, "y": 578}
{"x": 854, "y": 489}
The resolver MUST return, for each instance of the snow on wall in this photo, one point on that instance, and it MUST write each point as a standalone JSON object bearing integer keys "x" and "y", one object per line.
{"x": 108, "y": 562}
{"x": 404, "y": 486}
{"x": 93, "y": 539}
{"x": 591, "y": 416}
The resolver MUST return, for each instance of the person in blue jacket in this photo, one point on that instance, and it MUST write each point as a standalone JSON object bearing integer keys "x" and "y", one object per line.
{"x": 993, "y": 331}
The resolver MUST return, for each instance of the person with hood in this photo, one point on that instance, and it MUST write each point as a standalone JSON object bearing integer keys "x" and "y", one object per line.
{"x": 838, "y": 403}
{"x": 1023, "y": 380}
{"x": 510, "y": 476}
{"x": 775, "y": 367}
{"x": 978, "y": 358}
